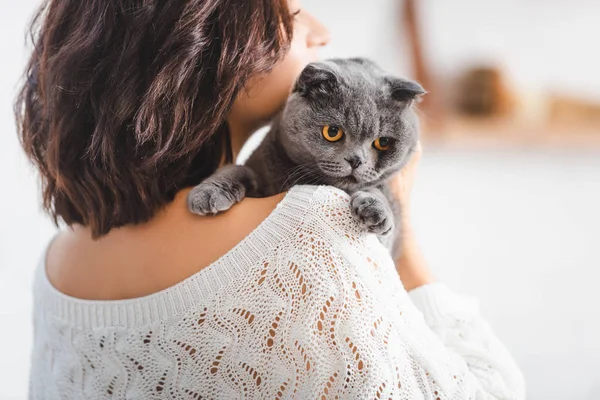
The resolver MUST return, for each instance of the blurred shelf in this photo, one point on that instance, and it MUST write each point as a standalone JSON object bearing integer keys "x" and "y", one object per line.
{"x": 505, "y": 132}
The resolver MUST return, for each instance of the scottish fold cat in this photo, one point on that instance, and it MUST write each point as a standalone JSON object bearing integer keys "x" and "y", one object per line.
{"x": 348, "y": 124}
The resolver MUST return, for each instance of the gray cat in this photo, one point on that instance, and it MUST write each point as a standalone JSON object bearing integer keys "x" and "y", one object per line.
{"x": 346, "y": 124}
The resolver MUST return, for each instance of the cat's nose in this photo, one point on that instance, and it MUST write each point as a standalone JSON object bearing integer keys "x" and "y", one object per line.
{"x": 354, "y": 161}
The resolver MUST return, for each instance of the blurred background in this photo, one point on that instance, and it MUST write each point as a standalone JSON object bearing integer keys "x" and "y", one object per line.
{"x": 507, "y": 200}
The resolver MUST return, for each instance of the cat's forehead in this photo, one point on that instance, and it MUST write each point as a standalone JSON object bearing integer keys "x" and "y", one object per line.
{"x": 364, "y": 88}
{"x": 363, "y": 81}
{"x": 365, "y": 97}
{"x": 363, "y": 103}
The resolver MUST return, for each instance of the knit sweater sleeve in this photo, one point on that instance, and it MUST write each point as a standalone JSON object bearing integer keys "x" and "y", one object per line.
{"x": 430, "y": 343}
{"x": 469, "y": 340}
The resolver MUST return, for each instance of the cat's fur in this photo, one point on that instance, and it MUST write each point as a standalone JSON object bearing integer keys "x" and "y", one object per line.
{"x": 366, "y": 103}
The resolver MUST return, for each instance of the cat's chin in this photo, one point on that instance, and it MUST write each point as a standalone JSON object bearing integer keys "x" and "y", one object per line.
{"x": 347, "y": 183}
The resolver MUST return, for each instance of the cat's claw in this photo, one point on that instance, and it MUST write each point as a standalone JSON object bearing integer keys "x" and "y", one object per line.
{"x": 372, "y": 213}
{"x": 212, "y": 198}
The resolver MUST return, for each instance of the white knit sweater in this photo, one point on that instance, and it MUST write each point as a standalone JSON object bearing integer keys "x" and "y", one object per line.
{"x": 306, "y": 307}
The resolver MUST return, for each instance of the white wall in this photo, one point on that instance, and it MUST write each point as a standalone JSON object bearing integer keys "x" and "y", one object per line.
{"x": 541, "y": 43}
{"x": 23, "y": 228}
{"x": 518, "y": 229}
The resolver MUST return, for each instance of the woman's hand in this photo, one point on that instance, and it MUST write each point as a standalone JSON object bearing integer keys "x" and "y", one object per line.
{"x": 411, "y": 265}
{"x": 402, "y": 183}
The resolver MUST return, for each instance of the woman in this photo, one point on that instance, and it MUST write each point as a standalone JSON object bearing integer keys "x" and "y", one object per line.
{"x": 128, "y": 104}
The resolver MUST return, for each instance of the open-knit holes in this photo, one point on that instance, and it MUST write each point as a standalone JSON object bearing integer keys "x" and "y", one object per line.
{"x": 356, "y": 291}
{"x": 161, "y": 382}
{"x": 193, "y": 395}
{"x": 326, "y": 322}
{"x": 222, "y": 321}
{"x": 282, "y": 391}
{"x": 89, "y": 362}
{"x": 326, "y": 392}
{"x": 304, "y": 355}
{"x": 360, "y": 364}
{"x": 111, "y": 386}
{"x": 263, "y": 274}
{"x": 378, "y": 322}
{"x": 188, "y": 348}
{"x": 376, "y": 326}
{"x": 386, "y": 333}
{"x": 253, "y": 373}
{"x": 333, "y": 266}
{"x": 300, "y": 279}
{"x": 279, "y": 283}
{"x": 217, "y": 361}
{"x": 380, "y": 390}
{"x": 136, "y": 364}
{"x": 373, "y": 263}
{"x": 202, "y": 317}
{"x": 247, "y": 315}
{"x": 272, "y": 331}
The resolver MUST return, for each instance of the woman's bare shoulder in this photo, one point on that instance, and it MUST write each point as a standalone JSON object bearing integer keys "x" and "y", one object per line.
{"x": 139, "y": 260}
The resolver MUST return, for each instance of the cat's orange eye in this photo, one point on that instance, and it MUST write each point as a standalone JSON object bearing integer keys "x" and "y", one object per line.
{"x": 382, "y": 143}
{"x": 332, "y": 133}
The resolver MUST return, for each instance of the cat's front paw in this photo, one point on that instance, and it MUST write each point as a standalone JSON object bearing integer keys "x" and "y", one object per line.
{"x": 211, "y": 198}
{"x": 372, "y": 213}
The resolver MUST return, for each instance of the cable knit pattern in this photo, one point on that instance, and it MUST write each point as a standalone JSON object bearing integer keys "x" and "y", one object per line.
{"x": 306, "y": 307}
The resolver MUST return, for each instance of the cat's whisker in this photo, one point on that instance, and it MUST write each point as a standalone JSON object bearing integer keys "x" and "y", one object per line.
{"x": 293, "y": 172}
{"x": 309, "y": 177}
{"x": 315, "y": 179}
{"x": 296, "y": 174}
{"x": 297, "y": 180}
{"x": 298, "y": 171}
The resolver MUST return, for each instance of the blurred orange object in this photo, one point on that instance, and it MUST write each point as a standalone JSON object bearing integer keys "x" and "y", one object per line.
{"x": 484, "y": 92}
{"x": 565, "y": 109}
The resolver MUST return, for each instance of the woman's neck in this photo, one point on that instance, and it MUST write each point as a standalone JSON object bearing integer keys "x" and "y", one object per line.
{"x": 240, "y": 132}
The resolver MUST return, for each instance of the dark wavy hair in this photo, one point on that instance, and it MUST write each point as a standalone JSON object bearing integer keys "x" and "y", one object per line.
{"x": 124, "y": 101}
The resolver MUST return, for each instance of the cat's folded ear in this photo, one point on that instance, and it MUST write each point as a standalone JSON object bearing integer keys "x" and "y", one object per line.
{"x": 317, "y": 78}
{"x": 405, "y": 90}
